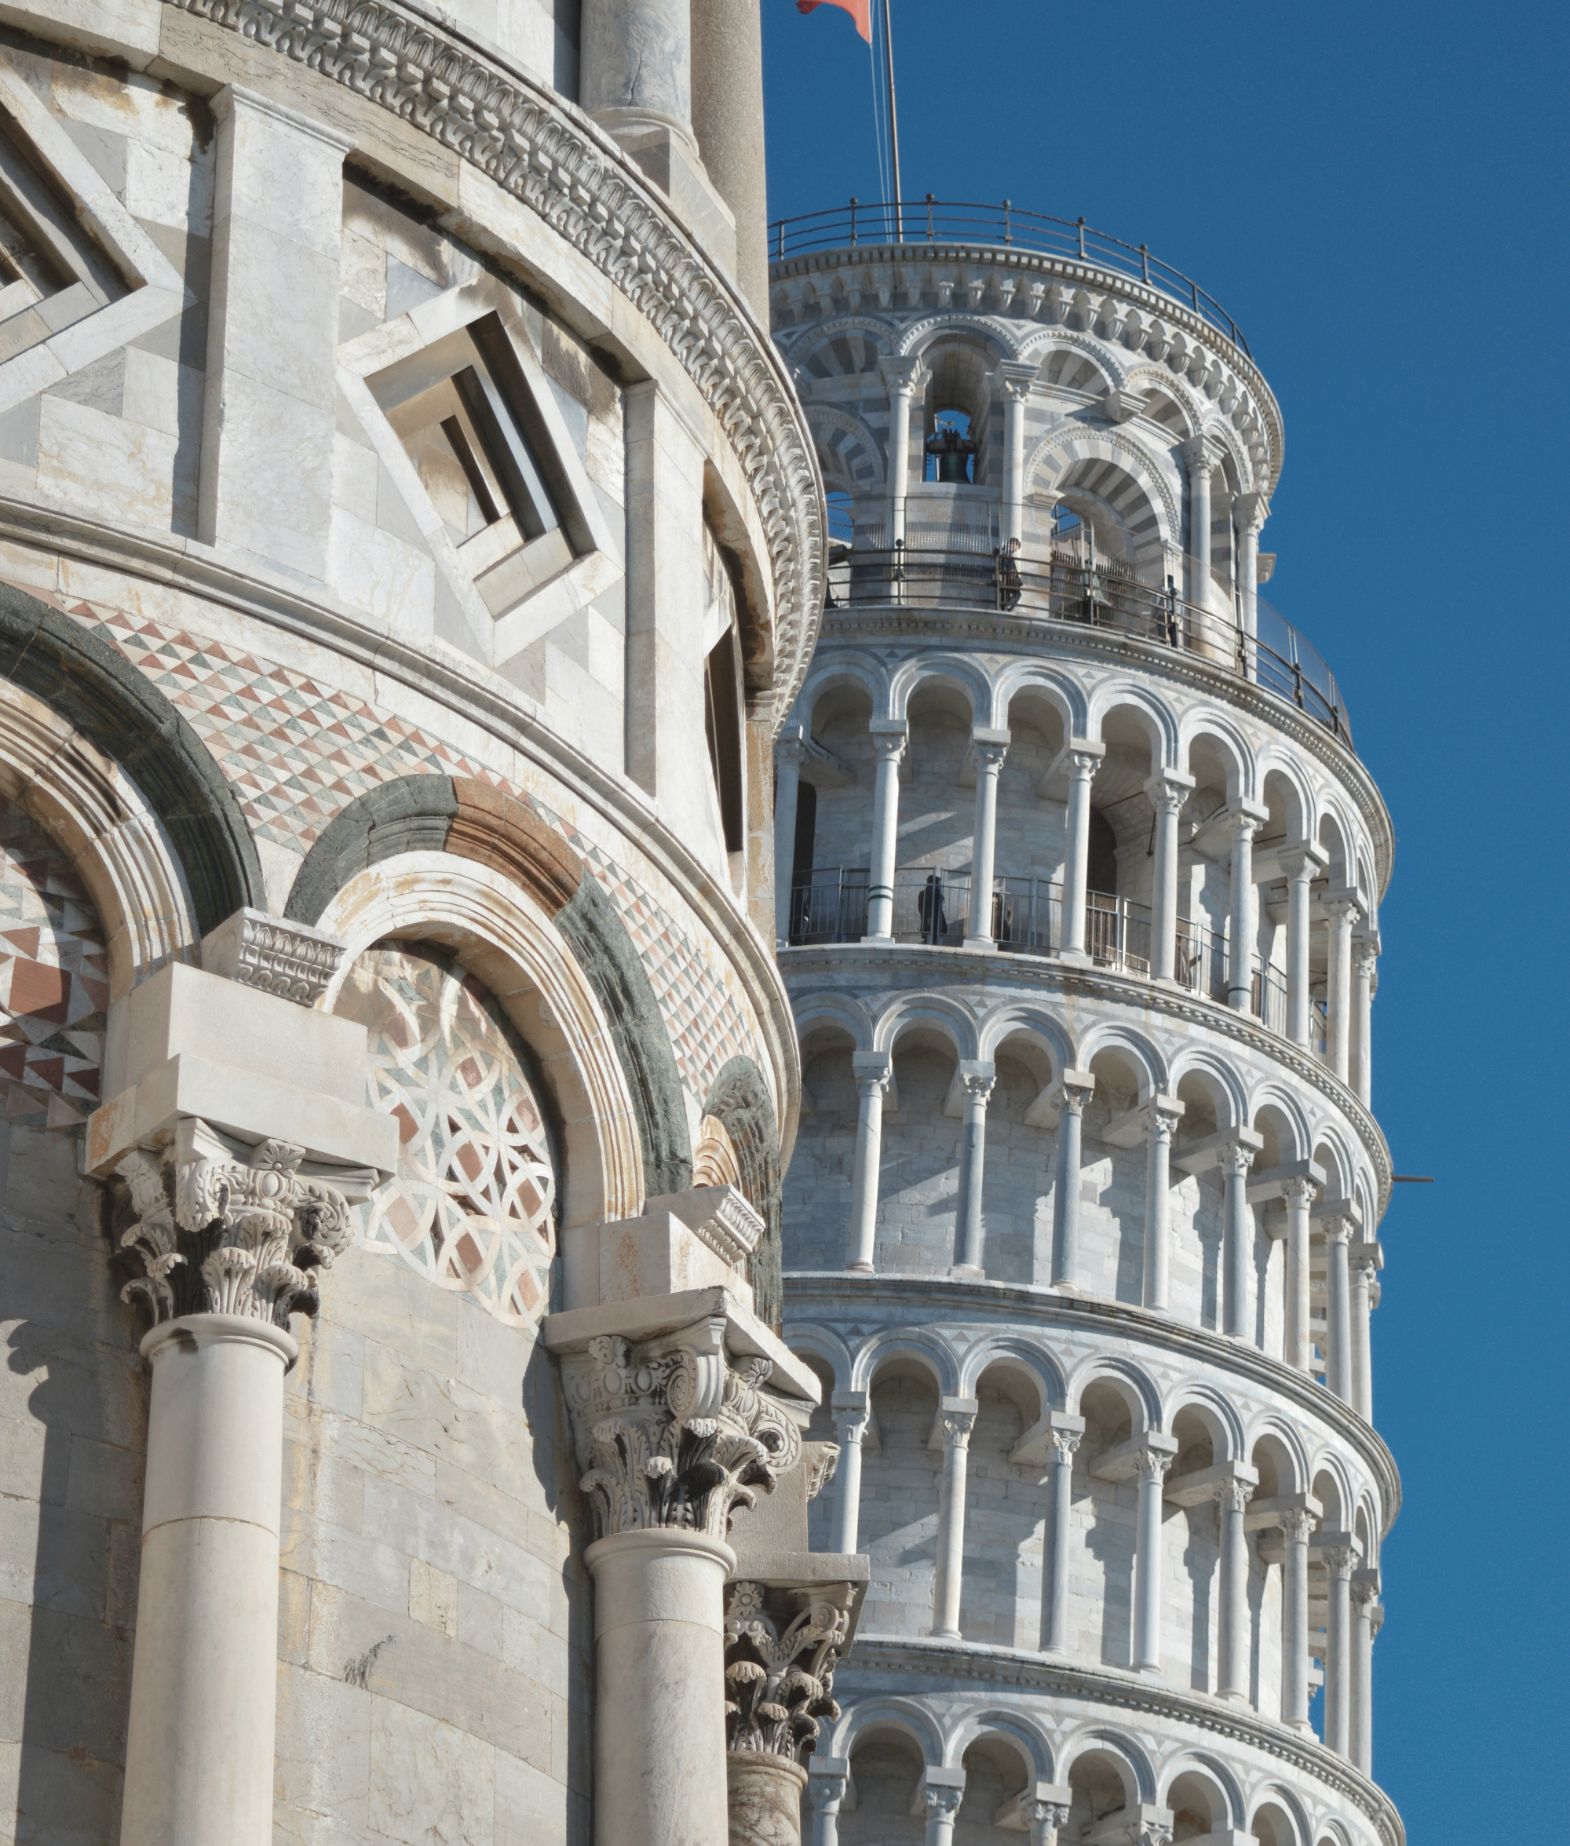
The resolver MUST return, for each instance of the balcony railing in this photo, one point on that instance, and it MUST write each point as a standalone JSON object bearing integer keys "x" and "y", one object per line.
{"x": 1061, "y": 588}
{"x": 933, "y": 906}
{"x": 994, "y": 227}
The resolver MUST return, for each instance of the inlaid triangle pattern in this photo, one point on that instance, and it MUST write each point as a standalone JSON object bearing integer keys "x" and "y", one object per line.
{"x": 54, "y": 984}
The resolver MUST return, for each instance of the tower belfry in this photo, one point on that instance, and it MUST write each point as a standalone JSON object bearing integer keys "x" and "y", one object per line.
{"x": 1077, "y": 904}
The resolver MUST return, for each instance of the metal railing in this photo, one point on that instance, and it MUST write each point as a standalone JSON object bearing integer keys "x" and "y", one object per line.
{"x": 994, "y": 227}
{"x": 1057, "y": 587}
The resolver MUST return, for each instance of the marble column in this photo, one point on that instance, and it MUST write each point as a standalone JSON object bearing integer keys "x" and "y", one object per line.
{"x": 635, "y": 65}
{"x": 1365, "y": 961}
{"x": 1299, "y": 1194}
{"x": 1074, "y": 1092}
{"x": 1296, "y": 1525}
{"x": 1066, "y": 1436}
{"x": 1046, "y": 1819}
{"x": 940, "y": 1803}
{"x": 1014, "y": 382}
{"x": 1150, "y": 1467}
{"x": 1198, "y": 461}
{"x": 873, "y": 1072}
{"x": 1162, "y": 1115}
{"x": 990, "y": 748}
{"x": 954, "y": 1424}
{"x": 1341, "y": 911}
{"x": 1167, "y": 791}
{"x": 904, "y": 379}
{"x": 889, "y": 737}
{"x": 1367, "y": 1614}
{"x": 789, "y": 754}
{"x": 1252, "y": 509}
{"x": 1237, "y": 1159}
{"x": 976, "y": 1081}
{"x": 662, "y": 1504}
{"x": 1232, "y": 1498}
{"x": 851, "y": 1418}
{"x": 1082, "y": 762}
{"x": 1242, "y": 927}
{"x": 828, "y": 1783}
{"x": 1338, "y": 1561}
{"x": 1338, "y": 1291}
{"x": 231, "y": 1240}
{"x": 727, "y": 117}
{"x": 1301, "y": 864}
{"x": 1366, "y": 1259}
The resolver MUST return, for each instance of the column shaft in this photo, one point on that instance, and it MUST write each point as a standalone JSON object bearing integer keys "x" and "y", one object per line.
{"x": 1361, "y": 1060}
{"x": 1199, "y": 465}
{"x": 1065, "y": 1191}
{"x": 867, "y": 1159}
{"x": 1237, "y": 1240}
{"x": 1242, "y": 927}
{"x": 1339, "y": 914}
{"x": 1167, "y": 796}
{"x": 889, "y": 746}
{"x": 948, "y": 1576}
{"x": 1060, "y": 1480}
{"x": 968, "y": 1254}
{"x": 1363, "y": 1269}
{"x": 1158, "y": 1205}
{"x": 1294, "y": 1620}
{"x": 1082, "y": 768}
{"x": 1232, "y": 1676}
{"x": 787, "y": 788}
{"x": 1338, "y": 1357}
{"x": 659, "y": 1623}
{"x": 1364, "y": 1618}
{"x": 199, "y": 1752}
{"x": 1338, "y": 1648}
{"x": 850, "y": 1428}
{"x": 989, "y": 765}
{"x": 1147, "y": 1565}
{"x": 635, "y": 63}
{"x": 1300, "y": 878}
{"x": 1300, "y": 1195}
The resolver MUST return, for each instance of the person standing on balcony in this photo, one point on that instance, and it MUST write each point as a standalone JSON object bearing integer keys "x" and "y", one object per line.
{"x": 929, "y": 907}
{"x": 1010, "y": 585}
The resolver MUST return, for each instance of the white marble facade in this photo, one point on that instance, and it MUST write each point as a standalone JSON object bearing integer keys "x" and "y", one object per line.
{"x": 1078, "y": 908}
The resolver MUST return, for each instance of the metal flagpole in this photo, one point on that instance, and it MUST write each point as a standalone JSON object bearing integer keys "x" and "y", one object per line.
{"x": 888, "y": 56}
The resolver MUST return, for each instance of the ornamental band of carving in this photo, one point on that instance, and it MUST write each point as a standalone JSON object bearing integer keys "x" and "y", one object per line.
{"x": 520, "y": 137}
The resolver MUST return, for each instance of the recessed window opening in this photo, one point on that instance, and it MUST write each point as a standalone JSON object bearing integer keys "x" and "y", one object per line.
{"x": 951, "y": 448}
{"x": 723, "y": 695}
{"x": 467, "y": 421}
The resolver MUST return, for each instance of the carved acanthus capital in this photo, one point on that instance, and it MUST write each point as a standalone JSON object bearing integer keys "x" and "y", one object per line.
{"x": 1339, "y": 1560}
{"x": 888, "y": 745}
{"x": 781, "y": 1649}
{"x": 1233, "y": 1496}
{"x": 222, "y": 1228}
{"x": 1048, "y": 1818}
{"x": 822, "y": 1465}
{"x": 1151, "y": 1464}
{"x": 1296, "y": 1525}
{"x": 1083, "y": 764}
{"x": 1237, "y": 1159}
{"x": 941, "y": 1799}
{"x": 1065, "y": 1445}
{"x": 675, "y": 1436}
{"x": 1299, "y": 1191}
{"x": 977, "y": 1085}
{"x": 956, "y": 1426}
{"x": 1151, "y": 1833}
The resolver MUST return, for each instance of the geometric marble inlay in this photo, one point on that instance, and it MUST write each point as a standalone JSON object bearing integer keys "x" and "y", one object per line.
{"x": 54, "y": 983}
{"x": 473, "y": 1203}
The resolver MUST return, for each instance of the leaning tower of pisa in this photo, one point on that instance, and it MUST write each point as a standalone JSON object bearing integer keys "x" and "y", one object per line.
{"x": 1078, "y": 911}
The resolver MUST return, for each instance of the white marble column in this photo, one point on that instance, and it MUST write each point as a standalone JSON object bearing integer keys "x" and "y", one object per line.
{"x": 727, "y": 118}
{"x": 1365, "y": 962}
{"x": 1074, "y": 1092}
{"x": 1045, "y": 1818}
{"x": 1301, "y": 864}
{"x": 1198, "y": 461}
{"x": 975, "y": 1080}
{"x": 889, "y": 737}
{"x": 1232, "y": 1498}
{"x": 226, "y": 1263}
{"x": 956, "y": 1418}
{"x": 1252, "y": 511}
{"x": 1366, "y": 1261}
{"x": 1296, "y": 1526}
{"x": 1014, "y": 382}
{"x": 990, "y": 749}
{"x": 1162, "y": 1115}
{"x": 940, "y": 1803}
{"x": 1367, "y": 1615}
{"x": 1150, "y": 1471}
{"x": 873, "y": 1071}
{"x": 1299, "y": 1194}
{"x": 1168, "y": 790}
{"x": 1338, "y": 1294}
{"x": 635, "y": 65}
{"x": 1341, "y": 911}
{"x": 789, "y": 754}
{"x": 1237, "y": 1160}
{"x": 1242, "y": 926}
{"x": 828, "y": 1783}
{"x": 851, "y": 1417}
{"x": 904, "y": 379}
{"x": 1338, "y": 1561}
{"x": 1081, "y": 761}
{"x": 1067, "y": 1433}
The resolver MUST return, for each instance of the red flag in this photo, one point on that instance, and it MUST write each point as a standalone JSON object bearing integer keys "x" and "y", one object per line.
{"x": 859, "y": 10}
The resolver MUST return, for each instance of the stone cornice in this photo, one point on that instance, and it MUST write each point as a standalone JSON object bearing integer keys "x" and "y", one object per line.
{"x": 941, "y": 627}
{"x": 1000, "y": 970}
{"x": 1161, "y": 311}
{"x": 941, "y": 1301}
{"x": 522, "y": 136}
{"x": 459, "y": 685}
{"x": 960, "y": 1663}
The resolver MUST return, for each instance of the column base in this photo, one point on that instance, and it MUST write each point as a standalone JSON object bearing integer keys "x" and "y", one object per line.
{"x": 967, "y": 1272}
{"x": 1074, "y": 958}
{"x": 979, "y": 942}
{"x": 860, "y": 1269}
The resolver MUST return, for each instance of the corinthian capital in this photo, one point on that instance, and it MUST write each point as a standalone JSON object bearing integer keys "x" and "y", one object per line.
{"x": 221, "y": 1228}
{"x": 782, "y": 1645}
{"x": 675, "y": 1436}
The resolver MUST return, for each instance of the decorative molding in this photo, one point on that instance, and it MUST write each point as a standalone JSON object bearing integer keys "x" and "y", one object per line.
{"x": 280, "y": 957}
{"x": 781, "y": 1648}
{"x": 675, "y": 1436}
{"x": 518, "y": 134}
{"x": 222, "y": 1229}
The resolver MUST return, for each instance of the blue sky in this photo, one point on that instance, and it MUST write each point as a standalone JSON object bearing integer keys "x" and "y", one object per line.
{"x": 1378, "y": 194}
